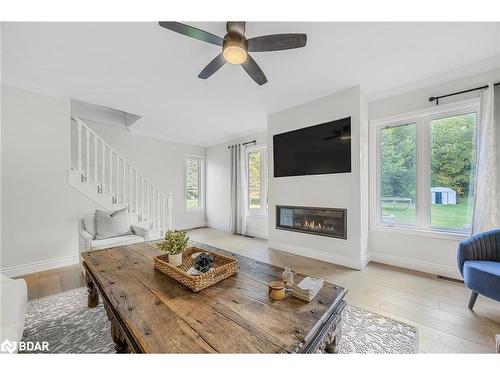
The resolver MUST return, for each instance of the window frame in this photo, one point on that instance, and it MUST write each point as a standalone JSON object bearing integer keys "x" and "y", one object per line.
{"x": 201, "y": 185}
{"x": 422, "y": 120}
{"x": 263, "y": 210}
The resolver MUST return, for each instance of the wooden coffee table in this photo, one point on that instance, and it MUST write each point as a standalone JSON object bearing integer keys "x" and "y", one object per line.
{"x": 152, "y": 313}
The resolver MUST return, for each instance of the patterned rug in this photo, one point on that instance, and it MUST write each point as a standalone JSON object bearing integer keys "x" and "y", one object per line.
{"x": 65, "y": 322}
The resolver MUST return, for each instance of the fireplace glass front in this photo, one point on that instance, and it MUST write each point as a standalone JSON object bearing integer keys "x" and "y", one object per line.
{"x": 331, "y": 222}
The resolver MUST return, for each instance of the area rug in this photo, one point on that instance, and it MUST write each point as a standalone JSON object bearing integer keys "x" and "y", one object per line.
{"x": 65, "y": 322}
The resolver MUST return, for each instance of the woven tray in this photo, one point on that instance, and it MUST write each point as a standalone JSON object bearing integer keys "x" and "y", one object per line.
{"x": 223, "y": 268}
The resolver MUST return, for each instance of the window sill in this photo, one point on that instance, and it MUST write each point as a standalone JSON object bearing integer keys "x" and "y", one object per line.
{"x": 421, "y": 232}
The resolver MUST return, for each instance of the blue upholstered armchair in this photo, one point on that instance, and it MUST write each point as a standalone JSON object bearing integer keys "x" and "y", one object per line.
{"x": 479, "y": 263}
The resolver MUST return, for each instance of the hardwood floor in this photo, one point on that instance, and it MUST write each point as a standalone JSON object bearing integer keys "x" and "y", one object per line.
{"x": 46, "y": 283}
{"x": 437, "y": 307}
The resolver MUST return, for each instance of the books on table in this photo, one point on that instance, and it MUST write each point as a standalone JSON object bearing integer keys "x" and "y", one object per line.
{"x": 307, "y": 288}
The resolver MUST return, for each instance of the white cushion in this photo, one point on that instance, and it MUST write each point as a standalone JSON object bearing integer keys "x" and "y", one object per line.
{"x": 116, "y": 241}
{"x": 112, "y": 225}
{"x": 14, "y": 299}
{"x": 89, "y": 224}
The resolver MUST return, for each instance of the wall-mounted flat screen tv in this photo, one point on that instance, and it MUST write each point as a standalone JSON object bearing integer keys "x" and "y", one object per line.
{"x": 318, "y": 149}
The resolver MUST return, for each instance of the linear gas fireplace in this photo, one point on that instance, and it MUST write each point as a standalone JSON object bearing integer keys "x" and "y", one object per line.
{"x": 331, "y": 222}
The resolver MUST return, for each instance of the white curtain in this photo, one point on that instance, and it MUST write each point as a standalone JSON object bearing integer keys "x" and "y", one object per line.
{"x": 487, "y": 192}
{"x": 237, "y": 224}
{"x": 244, "y": 190}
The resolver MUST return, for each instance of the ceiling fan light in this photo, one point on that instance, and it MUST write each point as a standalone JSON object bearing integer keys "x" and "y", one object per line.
{"x": 234, "y": 54}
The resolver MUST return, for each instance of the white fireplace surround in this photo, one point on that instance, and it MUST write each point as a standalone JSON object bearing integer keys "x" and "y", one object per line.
{"x": 343, "y": 190}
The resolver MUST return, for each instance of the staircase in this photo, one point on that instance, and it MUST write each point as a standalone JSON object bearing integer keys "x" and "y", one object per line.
{"x": 101, "y": 174}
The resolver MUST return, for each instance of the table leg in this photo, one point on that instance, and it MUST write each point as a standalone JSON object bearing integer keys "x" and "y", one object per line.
{"x": 93, "y": 296}
{"x": 332, "y": 346}
{"x": 121, "y": 345}
{"x": 327, "y": 339}
{"x": 332, "y": 339}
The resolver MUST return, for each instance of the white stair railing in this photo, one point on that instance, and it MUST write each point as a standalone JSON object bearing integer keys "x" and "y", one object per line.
{"x": 102, "y": 166}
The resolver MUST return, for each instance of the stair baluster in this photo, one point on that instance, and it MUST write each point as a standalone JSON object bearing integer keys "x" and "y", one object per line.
{"x": 106, "y": 178}
{"x": 95, "y": 159}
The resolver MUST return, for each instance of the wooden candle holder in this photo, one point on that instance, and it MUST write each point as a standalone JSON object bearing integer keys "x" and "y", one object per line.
{"x": 276, "y": 290}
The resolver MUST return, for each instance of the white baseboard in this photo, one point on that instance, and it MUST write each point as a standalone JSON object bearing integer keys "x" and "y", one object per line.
{"x": 315, "y": 254}
{"x": 200, "y": 224}
{"x": 256, "y": 235}
{"x": 43, "y": 265}
{"x": 417, "y": 265}
{"x": 365, "y": 260}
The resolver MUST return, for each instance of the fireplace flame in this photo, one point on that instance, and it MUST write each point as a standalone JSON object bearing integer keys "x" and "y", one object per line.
{"x": 313, "y": 225}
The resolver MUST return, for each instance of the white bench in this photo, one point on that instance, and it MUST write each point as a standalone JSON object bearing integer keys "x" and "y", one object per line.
{"x": 88, "y": 232}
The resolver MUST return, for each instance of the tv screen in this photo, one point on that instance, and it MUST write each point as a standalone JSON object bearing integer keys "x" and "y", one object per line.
{"x": 318, "y": 149}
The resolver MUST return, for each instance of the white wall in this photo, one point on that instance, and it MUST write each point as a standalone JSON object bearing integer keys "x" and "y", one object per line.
{"x": 160, "y": 161}
{"x": 343, "y": 190}
{"x": 364, "y": 180}
{"x": 429, "y": 253}
{"x": 218, "y": 188}
{"x": 1, "y": 117}
{"x": 40, "y": 210}
{"x": 418, "y": 99}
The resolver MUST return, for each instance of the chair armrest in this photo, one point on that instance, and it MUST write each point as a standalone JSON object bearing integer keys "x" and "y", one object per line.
{"x": 141, "y": 231}
{"x": 85, "y": 241}
{"x": 482, "y": 246}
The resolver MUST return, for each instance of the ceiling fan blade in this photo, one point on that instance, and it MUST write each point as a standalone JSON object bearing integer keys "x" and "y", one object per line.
{"x": 193, "y": 32}
{"x": 254, "y": 70}
{"x": 276, "y": 42}
{"x": 237, "y": 27}
{"x": 212, "y": 67}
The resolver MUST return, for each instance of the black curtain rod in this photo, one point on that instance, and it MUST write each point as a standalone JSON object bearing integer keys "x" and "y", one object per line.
{"x": 244, "y": 144}
{"x": 436, "y": 98}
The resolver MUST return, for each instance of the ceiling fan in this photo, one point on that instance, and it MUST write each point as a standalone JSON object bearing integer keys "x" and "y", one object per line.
{"x": 235, "y": 46}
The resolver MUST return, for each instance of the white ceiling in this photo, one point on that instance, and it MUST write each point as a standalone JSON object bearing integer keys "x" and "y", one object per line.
{"x": 144, "y": 69}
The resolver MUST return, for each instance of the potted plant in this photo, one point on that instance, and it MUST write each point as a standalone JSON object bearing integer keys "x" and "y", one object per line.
{"x": 176, "y": 241}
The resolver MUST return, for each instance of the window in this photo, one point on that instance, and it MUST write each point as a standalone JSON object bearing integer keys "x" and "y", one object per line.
{"x": 257, "y": 179}
{"x": 424, "y": 169}
{"x": 398, "y": 173}
{"x": 194, "y": 182}
{"x": 453, "y": 160}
